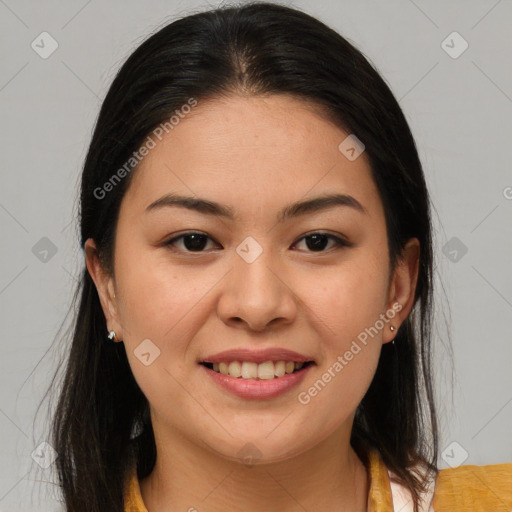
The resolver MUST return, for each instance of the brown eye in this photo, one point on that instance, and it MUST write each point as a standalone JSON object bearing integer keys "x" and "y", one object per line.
{"x": 191, "y": 242}
{"x": 317, "y": 242}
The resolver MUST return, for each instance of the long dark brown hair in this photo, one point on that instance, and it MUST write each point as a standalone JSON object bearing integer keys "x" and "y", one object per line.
{"x": 101, "y": 422}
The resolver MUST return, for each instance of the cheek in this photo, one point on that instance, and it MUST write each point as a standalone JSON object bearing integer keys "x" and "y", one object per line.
{"x": 344, "y": 309}
{"x": 348, "y": 303}
{"x": 349, "y": 298}
{"x": 159, "y": 302}
{"x": 160, "y": 312}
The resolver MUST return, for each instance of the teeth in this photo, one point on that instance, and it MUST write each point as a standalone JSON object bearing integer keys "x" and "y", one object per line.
{"x": 279, "y": 368}
{"x": 264, "y": 371}
{"x": 249, "y": 370}
{"x": 235, "y": 369}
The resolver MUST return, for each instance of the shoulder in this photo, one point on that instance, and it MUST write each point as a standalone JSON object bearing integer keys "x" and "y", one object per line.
{"x": 462, "y": 489}
{"x": 470, "y": 488}
{"x": 132, "y": 494}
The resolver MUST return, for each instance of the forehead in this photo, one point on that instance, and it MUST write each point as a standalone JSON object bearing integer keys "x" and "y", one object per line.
{"x": 252, "y": 152}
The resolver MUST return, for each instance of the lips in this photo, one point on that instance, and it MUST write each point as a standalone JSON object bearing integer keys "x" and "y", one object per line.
{"x": 257, "y": 374}
{"x": 256, "y": 388}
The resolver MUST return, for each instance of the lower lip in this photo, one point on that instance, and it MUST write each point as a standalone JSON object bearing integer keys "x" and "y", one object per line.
{"x": 258, "y": 389}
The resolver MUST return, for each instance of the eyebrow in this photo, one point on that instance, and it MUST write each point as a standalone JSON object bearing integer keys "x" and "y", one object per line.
{"x": 207, "y": 207}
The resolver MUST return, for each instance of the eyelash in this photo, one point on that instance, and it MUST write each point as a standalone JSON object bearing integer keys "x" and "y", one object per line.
{"x": 338, "y": 241}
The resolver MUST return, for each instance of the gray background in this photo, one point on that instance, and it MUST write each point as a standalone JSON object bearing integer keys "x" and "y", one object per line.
{"x": 460, "y": 112}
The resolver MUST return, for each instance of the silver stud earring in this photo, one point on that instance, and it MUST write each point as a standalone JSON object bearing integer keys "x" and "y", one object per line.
{"x": 392, "y": 329}
{"x": 112, "y": 337}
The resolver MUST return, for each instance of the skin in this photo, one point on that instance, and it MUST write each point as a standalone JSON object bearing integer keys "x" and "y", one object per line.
{"x": 255, "y": 155}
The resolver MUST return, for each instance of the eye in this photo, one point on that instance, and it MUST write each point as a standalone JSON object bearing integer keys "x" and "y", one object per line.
{"x": 316, "y": 242}
{"x": 196, "y": 242}
{"x": 192, "y": 242}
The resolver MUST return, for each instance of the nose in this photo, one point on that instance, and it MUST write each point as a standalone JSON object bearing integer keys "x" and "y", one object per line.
{"x": 256, "y": 295}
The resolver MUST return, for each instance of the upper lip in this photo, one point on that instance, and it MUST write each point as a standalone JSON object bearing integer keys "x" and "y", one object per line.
{"x": 256, "y": 356}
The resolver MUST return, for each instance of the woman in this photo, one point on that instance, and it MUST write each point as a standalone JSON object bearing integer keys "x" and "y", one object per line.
{"x": 254, "y": 320}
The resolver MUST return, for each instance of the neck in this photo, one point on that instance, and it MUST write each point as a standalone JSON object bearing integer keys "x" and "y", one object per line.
{"x": 188, "y": 477}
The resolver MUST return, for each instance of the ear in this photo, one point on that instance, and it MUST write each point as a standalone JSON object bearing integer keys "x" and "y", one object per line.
{"x": 105, "y": 285}
{"x": 402, "y": 286}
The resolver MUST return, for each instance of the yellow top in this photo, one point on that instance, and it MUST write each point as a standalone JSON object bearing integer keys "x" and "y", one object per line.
{"x": 462, "y": 489}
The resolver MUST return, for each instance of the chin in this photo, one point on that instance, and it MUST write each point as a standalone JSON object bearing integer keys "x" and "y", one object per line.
{"x": 258, "y": 450}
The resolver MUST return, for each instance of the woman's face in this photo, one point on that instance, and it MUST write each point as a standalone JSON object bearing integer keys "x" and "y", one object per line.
{"x": 255, "y": 279}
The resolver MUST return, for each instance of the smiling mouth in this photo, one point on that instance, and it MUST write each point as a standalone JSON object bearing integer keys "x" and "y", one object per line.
{"x": 268, "y": 370}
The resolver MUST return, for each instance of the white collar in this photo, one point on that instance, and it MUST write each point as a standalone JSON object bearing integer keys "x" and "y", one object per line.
{"x": 402, "y": 498}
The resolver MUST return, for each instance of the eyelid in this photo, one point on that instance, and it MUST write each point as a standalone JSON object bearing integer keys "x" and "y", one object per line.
{"x": 338, "y": 236}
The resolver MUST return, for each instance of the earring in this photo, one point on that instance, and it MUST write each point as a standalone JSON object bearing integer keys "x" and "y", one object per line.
{"x": 392, "y": 329}
{"x": 112, "y": 337}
